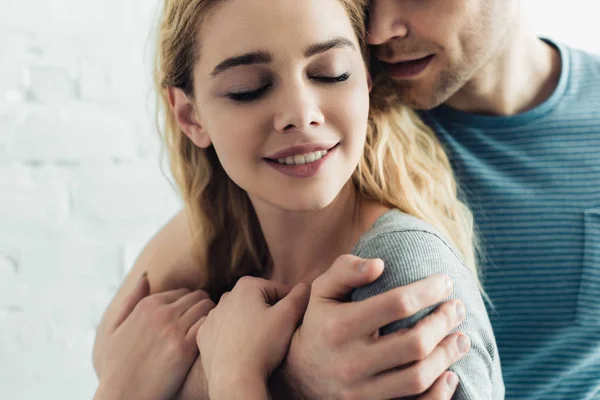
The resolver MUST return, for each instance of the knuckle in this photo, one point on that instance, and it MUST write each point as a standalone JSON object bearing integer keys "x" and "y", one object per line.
{"x": 208, "y": 304}
{"x": 421, "y": 348}
{"x": 245, "y": 282}
{"x": 420, "y": 381}
{"x": 344, "y": 259}
{"x": 170, "y": 333}
{"x": 317, "y": 285}
{"x": 403, "y": 306}
{"x": 163, "y": 315}
{"x": 149, "y": 303}
{"x": 174, "y": 341}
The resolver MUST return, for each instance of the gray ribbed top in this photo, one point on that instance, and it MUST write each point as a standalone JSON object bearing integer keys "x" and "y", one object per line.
{"x": 412, "y": 250}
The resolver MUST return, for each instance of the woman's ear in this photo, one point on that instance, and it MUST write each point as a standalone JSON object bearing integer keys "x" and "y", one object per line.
{"x": 369, "y": 81}
{"x": 183, "y": 109}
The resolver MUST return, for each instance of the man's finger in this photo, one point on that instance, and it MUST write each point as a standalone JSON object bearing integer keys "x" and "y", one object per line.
{"x": 366, "y": 316}
{"x": 419, "y": 377}
{"x": 416, "y": 343}
{"x": 443, "y": 388}
{"x": 141, "y": 290}
{"x": 348, "y": 272}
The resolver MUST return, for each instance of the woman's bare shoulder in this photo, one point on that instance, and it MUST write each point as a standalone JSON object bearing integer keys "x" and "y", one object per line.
{"x": 168, "y": 258}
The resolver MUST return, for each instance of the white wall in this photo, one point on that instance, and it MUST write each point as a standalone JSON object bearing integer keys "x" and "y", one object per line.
{"x": 80, "y": 188}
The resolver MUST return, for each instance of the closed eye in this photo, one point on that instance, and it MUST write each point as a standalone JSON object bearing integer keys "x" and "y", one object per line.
{"x": 332, "y": 79}
{"x": 249, "y": 95}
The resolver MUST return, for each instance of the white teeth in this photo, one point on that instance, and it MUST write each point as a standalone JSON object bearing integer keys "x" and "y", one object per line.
{"x": 301, "y": 159}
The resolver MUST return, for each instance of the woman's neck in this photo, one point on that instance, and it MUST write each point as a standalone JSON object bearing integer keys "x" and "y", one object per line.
{"x": 303, "y": 245}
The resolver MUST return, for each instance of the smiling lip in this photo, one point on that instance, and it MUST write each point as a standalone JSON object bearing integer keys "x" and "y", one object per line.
{"x": 408, "y": 69}
{"x": 301, "y": 149}
{"x": 303, "y": 170}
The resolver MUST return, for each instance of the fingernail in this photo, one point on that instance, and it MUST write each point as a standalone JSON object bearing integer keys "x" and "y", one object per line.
{"x": 448, "y": 283}
{"x": 144, "y": 276}
{"x": 460, "y": 310}
{"x": 362, "y": 267}
{"x": 463, "y": 343}
{"x": 452, "y": 380}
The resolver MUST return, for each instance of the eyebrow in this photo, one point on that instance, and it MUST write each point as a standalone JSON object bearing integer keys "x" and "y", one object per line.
{"x": 264, "y": 57}
{"x": 335, "y": 43}
{"x": 254, "y": 57}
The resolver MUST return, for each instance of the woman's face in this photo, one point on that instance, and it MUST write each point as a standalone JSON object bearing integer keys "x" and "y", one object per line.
{"x": 281, "y": 93}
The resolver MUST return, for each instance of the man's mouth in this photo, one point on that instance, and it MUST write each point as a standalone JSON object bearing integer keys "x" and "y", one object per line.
{"x": 407, "y": 69}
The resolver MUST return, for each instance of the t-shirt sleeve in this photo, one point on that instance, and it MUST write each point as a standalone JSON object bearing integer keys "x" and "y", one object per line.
{"x": 410, "y": 256}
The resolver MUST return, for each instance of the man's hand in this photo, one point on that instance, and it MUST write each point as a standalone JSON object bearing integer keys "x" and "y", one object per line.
{"x": 337, "y": 352}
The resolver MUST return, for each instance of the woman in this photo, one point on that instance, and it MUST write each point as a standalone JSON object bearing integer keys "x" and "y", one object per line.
{"x": 283, "y": 168}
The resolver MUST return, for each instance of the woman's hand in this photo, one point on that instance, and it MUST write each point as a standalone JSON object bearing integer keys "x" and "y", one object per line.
{"x": 247, "y": 336}
{"x": 153, "y": 345}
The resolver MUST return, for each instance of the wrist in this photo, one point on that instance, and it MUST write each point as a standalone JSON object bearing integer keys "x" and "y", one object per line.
{"x": 239, "y": 386}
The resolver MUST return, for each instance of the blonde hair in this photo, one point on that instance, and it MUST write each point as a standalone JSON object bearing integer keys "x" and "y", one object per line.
{"x": 403, "y": 164}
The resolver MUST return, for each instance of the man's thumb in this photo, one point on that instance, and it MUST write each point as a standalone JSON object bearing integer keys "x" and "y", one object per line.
{"x": 347, "y": 273}
{"x": 139, "y": 291}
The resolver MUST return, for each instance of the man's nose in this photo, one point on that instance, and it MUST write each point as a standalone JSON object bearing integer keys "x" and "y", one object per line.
{"x": 385, "y": 22}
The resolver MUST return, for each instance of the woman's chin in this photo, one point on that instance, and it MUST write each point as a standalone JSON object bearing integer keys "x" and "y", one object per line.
{"x": 303, "y": 203}
{"x": 311, "y": 205}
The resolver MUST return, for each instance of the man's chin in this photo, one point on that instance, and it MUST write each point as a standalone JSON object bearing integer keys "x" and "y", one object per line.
{"x": 419, "y": 100}
{"x": 416, "y": 94}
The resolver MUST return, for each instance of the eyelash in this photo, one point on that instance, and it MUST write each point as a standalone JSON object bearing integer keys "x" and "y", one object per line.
{"x": 255, "y": 94}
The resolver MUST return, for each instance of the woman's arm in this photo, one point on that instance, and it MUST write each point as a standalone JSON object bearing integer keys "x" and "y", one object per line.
{"x": 413, "y": 255}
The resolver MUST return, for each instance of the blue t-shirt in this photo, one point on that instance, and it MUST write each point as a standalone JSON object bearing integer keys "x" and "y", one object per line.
{"x": 533, "y": 184}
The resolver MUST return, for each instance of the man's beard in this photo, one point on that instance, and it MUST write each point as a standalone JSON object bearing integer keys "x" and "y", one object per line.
{"x": 417, "y": 94}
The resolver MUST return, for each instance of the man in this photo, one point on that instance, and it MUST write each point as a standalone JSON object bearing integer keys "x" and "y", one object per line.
{"x": 520, "y": 118}
{"x": 517, "y": 116}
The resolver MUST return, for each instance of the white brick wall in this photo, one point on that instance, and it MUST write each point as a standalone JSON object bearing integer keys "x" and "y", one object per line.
{"x": 80, "y": 187}
{"x": 80, "y": 184}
